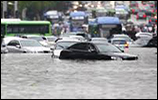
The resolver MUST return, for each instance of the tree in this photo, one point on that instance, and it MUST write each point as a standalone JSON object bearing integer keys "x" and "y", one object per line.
{"x": 36, "y": 9}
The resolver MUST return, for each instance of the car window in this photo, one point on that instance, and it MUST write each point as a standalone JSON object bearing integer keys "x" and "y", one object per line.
{"x": 13, "y": 43}
{"x": 30, "y": 43}
{"x": 63, "y": 45}
{"x": 119, "y": 42}
{"x": 80, "y": 46}
{"x": 104, "y": 48}
{"x": 36, "y": 38}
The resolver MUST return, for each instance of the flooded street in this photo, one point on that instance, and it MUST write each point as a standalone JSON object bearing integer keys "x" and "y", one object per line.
{"x": 28, "y": 76}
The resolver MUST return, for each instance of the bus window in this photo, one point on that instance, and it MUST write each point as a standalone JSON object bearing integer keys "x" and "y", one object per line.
{"x": 27, "y": 27}
{"x": 33, "y": 29}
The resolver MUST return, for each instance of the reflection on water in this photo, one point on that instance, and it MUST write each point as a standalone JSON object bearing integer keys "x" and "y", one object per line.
{"x": 40, "y": 76}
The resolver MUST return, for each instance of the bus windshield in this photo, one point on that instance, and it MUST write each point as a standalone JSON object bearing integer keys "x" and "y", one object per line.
{"x": 109, "y": 26}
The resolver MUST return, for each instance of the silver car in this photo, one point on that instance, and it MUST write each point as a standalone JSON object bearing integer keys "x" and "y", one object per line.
{"x": 19, "y": 45}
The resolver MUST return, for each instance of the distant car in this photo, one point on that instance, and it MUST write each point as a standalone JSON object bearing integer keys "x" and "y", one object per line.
{"x": 20, "y": 45}
{"x": 152, "y": 42}
{"x": 120, "y": 43}
{"x": 134, "y": 10}
{"x": 151, "y": 3}
{"x": 50, "y": 40}
{"x": 146, "y": 42}
{"x": 149, "y": 11}
{"x": 134, "y": 4}
{"x": 141, "y": 15}
{"x": 95, "y": 51}
{"x": 153, "y": 20}
{"x": 99, "y": 39}
{"x": 144, "y": 35}
{"x": 80, "y": 38}
{"x": 144, "y": 2}
{"x": 62, "y": 44}
{"x": 84, "y": 35}
{"x": 123, "y": 37}
{"x": 119, "y": 3}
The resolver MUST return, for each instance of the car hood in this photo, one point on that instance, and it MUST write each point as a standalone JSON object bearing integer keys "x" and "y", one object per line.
{"x": 124, "y": 56}
{"x": 37, "y": 49}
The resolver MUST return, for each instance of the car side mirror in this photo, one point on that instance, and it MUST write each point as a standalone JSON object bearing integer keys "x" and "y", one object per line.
{"x": 93, "y": 51}
{"x": 18, "y": 46}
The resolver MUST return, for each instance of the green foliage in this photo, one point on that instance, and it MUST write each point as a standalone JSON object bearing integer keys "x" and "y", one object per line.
{"x": 38, "y": 8}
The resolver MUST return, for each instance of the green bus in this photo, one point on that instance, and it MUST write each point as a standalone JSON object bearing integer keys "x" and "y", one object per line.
{"x": 14, "y": 28}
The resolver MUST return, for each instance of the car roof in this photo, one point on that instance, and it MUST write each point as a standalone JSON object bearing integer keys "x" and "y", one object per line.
{"x": 8, "y": 39}
{"x": 120, "y": 35}
{"x": 121, "y": 39}
{"x": 73, "y": 40}
{"x": 32, "y": 35}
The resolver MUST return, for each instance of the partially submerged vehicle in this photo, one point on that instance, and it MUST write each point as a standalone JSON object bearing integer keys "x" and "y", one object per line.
{"x": 95, "y": 51}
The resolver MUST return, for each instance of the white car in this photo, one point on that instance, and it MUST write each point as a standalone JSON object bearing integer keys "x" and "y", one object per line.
{"x": 120, "y": 43}
{"x": 40, "y": 39}
{"x": 80, "y": 38}
{"x": 99, "y": 39}
{"x": 51, "y": 41}
{"x": 62, "y": 44}
{"x": 123, "y": 37}
{"x": 20, "y": 45}
{"x": 144, "y": 35}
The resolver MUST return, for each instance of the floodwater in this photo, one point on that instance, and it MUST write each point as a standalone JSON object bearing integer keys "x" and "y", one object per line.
{"x": 38, "y": 76}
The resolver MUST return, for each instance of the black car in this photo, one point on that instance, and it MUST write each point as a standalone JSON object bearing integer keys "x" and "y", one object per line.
{"x": 152, "y": 42}
{"x": 95, "y": 51}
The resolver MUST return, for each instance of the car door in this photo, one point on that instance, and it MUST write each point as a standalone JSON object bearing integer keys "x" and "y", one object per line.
{"x": 79, "y": 51}
{"x": 14, "y": 46}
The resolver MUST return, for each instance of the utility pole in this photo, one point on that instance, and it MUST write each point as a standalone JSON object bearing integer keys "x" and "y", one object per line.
{"x": 5, "y": 6}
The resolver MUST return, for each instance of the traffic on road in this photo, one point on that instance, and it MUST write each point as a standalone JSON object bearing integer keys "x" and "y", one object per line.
{"x": 97, "y": 46}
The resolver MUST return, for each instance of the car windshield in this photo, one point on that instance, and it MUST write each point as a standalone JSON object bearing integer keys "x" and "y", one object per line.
{"x": 36, "y": 38}
{"x": 99, "y": 39}
{"x": 123, "y": 37}
{"x": 63, "y": 45}
{"x": 30, "y": 43}
{"x": 107, "y": 48}
{"x": 119, "y": 42}
{"x": 51, "y": 39}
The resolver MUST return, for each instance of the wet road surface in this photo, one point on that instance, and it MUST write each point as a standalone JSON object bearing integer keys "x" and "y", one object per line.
{"x": 29, "y": 76}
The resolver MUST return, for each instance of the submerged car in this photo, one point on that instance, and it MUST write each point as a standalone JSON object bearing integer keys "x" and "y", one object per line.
{"x": 152, "y": 42}
{"x": 62, "y": 44}
{"x": 95, "y": 51}
{"x": 40, "y": 39}
{"x": 20, "y": 45}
